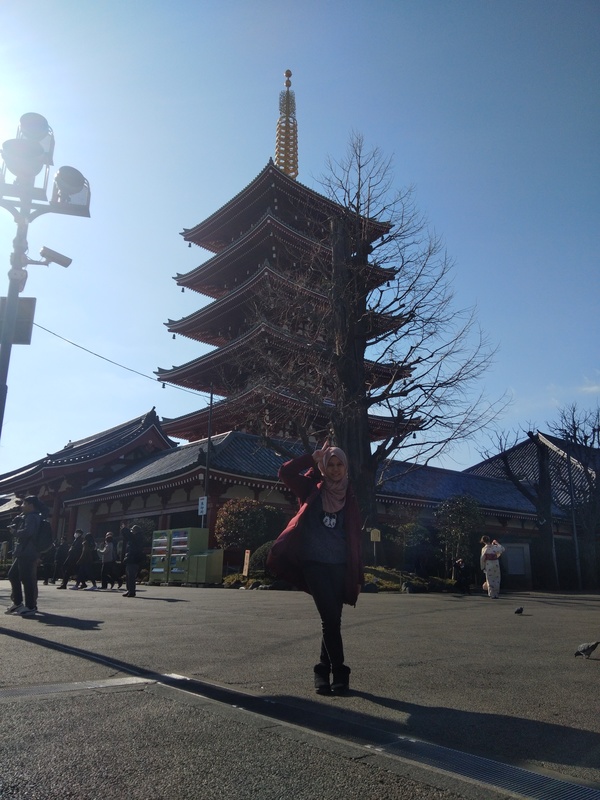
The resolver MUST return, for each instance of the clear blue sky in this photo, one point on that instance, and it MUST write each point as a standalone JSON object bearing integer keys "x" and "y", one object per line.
{"x": 490, "y": 109}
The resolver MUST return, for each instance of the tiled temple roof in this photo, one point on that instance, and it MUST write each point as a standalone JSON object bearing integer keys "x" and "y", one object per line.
{"x": 211, "y": 233}
{"x": 523, "y": 461}
{"x": 75, "y": 455}
{"x": 246, "y": 458}
{"x": 402, "y": 482}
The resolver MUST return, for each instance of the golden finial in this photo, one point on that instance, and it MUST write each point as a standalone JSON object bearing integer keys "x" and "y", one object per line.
{"x": 286, "y": 144}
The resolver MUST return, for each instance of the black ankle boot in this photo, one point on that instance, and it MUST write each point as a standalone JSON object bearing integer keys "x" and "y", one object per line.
{"x": 322, "y": 678}
{"x": 341, "y": 680}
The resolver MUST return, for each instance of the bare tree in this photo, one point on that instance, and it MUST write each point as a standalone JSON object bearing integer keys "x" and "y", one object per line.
{"x": 404, "y": 325}
{"x": 528, "y": 469}
{"x": 577, "y": 483}
{"x": 557, "y": 474}
{"x": 361, "y": 340}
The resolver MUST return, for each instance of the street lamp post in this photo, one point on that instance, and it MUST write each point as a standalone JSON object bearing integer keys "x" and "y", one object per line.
{"x": 28, "y": 158}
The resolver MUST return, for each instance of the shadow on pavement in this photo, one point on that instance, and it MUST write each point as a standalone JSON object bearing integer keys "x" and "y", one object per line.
{"x": 161, "y": 599}
{"x": 57, "y": 620}
{"x": 497, "y": 736}
{"x": 514, "y": 740}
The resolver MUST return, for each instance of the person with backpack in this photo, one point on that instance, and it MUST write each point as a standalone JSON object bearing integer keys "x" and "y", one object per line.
{"x": 23, "y": 572}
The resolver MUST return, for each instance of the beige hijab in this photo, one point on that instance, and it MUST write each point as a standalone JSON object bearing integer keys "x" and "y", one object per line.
{"x": 333, "y": 493}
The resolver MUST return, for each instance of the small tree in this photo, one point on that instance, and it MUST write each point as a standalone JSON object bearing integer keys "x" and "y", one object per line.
{"x": 247, "y": 524}
{"x": 458, "y": 518}
{"x": 406, "y": 545}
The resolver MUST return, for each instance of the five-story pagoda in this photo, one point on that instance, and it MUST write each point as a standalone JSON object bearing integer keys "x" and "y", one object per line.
{"x": 270, "y": 280}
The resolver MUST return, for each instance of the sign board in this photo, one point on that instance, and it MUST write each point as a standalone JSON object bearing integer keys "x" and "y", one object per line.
{"x": 202, "y": 506}
{"x": 375, "y": 535}
{"x": 24, "y": 323}
{"x": 246, "y": 569}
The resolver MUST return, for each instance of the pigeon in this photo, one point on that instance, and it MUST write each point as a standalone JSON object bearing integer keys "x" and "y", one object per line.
{"x": 586, "y": 649}
{"x": 519, "y": 610}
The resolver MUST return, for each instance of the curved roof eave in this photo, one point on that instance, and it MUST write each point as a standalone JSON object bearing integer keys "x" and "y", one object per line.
{"x": 203, "y": 228}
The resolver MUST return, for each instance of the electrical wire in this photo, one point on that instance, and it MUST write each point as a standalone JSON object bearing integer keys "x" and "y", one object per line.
{"x": 121, "y": 366}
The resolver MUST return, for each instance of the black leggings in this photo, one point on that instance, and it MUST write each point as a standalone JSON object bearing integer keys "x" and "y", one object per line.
{"x": 326, "y": 585}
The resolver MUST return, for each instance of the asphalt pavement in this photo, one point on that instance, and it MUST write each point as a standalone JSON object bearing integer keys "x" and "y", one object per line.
{"x": 184, "y": 693}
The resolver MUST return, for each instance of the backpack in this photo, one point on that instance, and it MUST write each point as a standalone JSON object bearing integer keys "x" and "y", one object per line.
{"x": 44, "y": 538}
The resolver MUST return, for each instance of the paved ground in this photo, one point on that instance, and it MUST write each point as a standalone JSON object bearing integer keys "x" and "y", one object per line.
{"x": 87, "y": 710}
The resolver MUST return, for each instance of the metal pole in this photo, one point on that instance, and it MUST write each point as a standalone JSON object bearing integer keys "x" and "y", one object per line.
{"x": 17, "y": 279}
{"x": 573, "y": 514}
{"x": 209, "y": 431}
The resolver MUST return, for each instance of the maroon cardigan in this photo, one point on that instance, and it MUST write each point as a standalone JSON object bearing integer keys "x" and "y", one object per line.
{"x": 284, "y": 559}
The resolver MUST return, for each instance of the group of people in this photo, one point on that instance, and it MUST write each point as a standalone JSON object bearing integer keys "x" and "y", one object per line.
{"x": 81, "y": 560}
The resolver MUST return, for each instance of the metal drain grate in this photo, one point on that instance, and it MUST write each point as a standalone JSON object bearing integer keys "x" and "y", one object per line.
{"x": 519, "y": 781}
{"x": 494, "y": 773}
{"x": 61, "y": 688}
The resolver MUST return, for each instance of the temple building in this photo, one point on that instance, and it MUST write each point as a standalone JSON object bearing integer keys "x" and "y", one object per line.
{"x": 134, "y": 471}
{"x": 268, "y": 277}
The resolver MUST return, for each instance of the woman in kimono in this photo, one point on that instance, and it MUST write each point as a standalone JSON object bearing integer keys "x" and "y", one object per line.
{"x": 490, "y": 564}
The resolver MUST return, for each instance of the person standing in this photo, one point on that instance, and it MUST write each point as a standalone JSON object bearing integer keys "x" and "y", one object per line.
{"x": 461, "y": 576}
{"x": 490, "y": 564}
{"x": 60, "y": 555}
{"x": 47, "y": 560}
{"x": 120, "y": 546}
{"x": 320, "y": 552}
{"x": 134, "y": 557}
{"x": 23, "y": 572}
{"x": 73, "y": 556}
{"x": 85, "y": 565}
{"x": 107, "y": 558}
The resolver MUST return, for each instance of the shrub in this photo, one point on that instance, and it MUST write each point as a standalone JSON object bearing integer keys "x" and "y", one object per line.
{"x": 258, "y": 559}
{"x": 247, "y": 524}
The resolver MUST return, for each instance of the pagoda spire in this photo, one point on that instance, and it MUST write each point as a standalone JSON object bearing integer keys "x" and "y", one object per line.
{"x": 286, "y": 144}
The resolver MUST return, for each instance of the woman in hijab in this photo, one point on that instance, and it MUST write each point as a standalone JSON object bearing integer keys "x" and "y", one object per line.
{"x": 320, "y": 552}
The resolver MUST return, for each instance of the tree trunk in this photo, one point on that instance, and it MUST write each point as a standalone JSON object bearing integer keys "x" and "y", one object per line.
{"x": 350, "y": 417}
{"x": 544, "y": 509}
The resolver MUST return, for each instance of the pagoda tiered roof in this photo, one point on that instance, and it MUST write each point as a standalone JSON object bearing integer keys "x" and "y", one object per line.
{"x": 285, "y": 196}
{"x": 231, "y": 366}
{"x": 272, "y": 255}
{"x": 240, "y": 411}
{"x": 269, "y": 238}
{"x": 219, "y": 322}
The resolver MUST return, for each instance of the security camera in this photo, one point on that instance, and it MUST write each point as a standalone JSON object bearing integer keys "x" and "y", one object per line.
{"x": 52, "y": 257}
